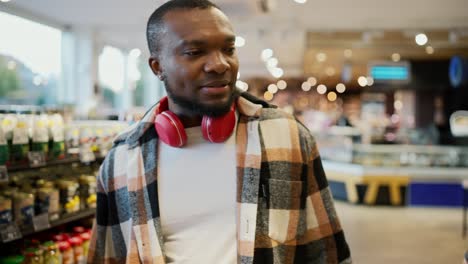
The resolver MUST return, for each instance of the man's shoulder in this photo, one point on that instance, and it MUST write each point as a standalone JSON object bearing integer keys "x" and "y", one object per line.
{"x": 122, "y": 136}
{"x": 270, "y": 113}
{"x": 281, "y": 116}
{"x": 277, "y": 120}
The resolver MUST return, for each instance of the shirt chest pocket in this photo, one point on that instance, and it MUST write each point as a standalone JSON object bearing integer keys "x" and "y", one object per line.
{"x": 286, "y": 214}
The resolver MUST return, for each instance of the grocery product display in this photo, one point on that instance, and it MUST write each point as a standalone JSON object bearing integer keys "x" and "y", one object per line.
{"x": 22, "y": 132}
{"x": 48, "y": 182}
{"x": 342, "y": 148}
{"x": 57, "y": 248}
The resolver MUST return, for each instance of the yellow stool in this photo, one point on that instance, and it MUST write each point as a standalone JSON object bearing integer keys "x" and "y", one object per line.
{"x": 350, "y": 182}
{"x": 393, "y": 182}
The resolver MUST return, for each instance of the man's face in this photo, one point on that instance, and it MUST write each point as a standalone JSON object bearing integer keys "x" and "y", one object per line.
{"x": 198, "y": 62}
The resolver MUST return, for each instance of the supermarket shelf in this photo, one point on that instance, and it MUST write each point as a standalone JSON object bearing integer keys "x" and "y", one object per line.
{"x": 51, "y": 163}
{"x": 64, "y": 219}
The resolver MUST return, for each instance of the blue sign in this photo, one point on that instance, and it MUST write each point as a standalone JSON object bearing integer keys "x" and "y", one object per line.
{"x": 458, "y": 71}
{"x": 389, "y": 72}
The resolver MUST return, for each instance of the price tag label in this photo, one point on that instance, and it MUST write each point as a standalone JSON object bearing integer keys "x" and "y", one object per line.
{"x": 87, "y": 155}
{"x": 10, "y": 232}
{"x": 3, "y": 174}
{"x": 36, "y": 159}
{"x": 41, "y": 222}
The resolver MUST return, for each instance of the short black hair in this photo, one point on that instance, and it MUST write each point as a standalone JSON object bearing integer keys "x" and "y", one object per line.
{"x": 155, "y": 22}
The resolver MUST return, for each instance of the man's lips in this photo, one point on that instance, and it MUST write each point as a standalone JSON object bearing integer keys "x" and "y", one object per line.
{"x": 220, "y": 83}
{"x": 216, "y": 87}
{"x": 214, "y": 90}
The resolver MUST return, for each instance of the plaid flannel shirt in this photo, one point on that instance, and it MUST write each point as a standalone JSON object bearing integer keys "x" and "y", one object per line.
{"x": 285, "y": 211}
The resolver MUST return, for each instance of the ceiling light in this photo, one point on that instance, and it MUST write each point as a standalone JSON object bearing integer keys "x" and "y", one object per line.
{"x": 370, "y": 81}
{"x": 4, "y": 1}
{"x": 240, "y": 41}
{"x": 306, "y": 86}
{"x": 321, "y": 89}
{"x": 421, "y": 39}
{"x": 429, "y": 50}
{"x": 300, "y": 1}
{"x": 272, "y": 62}
{"x": 396, "y": 57}
{"x": 277, "y": 72}
{"x": 341, "y": 88}
{"x": 272, "y": 88}
{"x": 266, "y": 54}
{"x": 362, "y": 81}
{"x": 268, "y": 96}
{"x": 332, "y": 96}
{"x": 312, "y": 81}
{"x": 282, "y": 85}
{"x": 321, "y": 57}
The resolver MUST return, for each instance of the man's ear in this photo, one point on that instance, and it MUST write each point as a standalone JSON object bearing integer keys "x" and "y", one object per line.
{"x": 155, "y": 65}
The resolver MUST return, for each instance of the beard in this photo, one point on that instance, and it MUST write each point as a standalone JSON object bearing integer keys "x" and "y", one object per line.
{"x": 197, "y": 107}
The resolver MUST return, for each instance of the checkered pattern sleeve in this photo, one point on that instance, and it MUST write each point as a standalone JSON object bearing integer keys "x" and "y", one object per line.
{"x": 98, "y": 240}
{"x": 107, "y": 244}
{"x": 324, "y": 240}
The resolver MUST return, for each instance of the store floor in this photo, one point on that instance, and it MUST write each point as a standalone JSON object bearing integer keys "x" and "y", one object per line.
{"x": 404, "y": 235}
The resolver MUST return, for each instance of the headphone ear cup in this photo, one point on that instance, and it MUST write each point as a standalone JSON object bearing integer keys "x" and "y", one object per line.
{"x": 218, "y": 129}
{"x": 170, "y": 129}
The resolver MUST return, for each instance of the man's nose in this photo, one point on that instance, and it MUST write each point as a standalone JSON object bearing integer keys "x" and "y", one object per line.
{"x": 217, "y": 62}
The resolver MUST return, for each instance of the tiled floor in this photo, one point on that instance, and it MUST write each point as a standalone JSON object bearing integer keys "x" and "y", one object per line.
{"x": 403, "y": 235}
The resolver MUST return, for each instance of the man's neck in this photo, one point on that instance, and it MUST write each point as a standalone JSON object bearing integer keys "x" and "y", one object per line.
{"x": 190, "y": 121}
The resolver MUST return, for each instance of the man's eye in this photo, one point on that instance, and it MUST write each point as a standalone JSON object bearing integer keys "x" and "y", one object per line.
{"x": 192, "y": 52}
{"x": 230, "y": 50}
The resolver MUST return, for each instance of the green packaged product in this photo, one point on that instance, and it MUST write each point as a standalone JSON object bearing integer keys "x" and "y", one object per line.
{"x": 4, "y": 151}
{"x": 12, "y": 260}
{"x": 40, "y": 137}
{"x": 57, "y": 136}
{"x": 4, "y": 154}
{"x": 20, "y": 142}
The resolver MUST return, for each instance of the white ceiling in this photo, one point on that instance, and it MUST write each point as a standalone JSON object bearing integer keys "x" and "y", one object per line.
{"x": 283, "y": 28}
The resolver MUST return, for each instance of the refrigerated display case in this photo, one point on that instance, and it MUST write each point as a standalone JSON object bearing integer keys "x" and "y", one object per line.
{"x": 401, "y": 174}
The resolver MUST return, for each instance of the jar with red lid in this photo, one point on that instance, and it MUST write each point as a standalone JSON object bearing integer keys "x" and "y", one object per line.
{"x": 61, "y": 237}
{"x": 67, "y": 252}
{"x": 78, "y": 230}
{"x": 77, "y": 245}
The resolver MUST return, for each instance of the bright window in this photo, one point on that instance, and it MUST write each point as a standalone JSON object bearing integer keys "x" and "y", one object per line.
{"x": 30, "y": 61}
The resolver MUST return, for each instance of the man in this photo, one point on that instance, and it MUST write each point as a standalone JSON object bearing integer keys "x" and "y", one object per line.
{"x": 211, "y": 175}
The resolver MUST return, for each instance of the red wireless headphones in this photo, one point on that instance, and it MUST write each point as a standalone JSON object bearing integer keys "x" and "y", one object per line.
{"x": 172, "y": 132}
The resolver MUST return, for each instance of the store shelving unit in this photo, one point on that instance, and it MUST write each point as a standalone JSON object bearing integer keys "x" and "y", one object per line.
{"x": 65, "y": 161}
{"x": 12, "y": 232}
{"x": 64, "y": 219}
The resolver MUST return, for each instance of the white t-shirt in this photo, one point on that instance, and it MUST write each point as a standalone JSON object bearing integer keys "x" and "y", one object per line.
{"x": 197, "y": 200}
